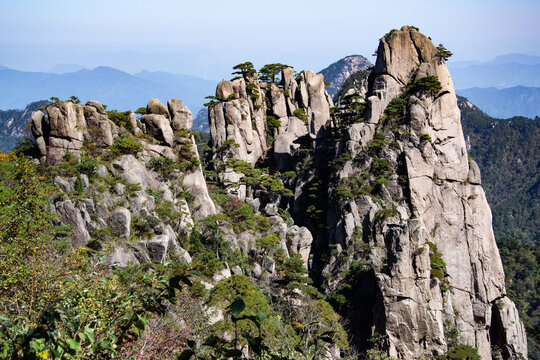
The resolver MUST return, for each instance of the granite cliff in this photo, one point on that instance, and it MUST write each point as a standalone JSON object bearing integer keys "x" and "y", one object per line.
{"x": 377, "y": 195}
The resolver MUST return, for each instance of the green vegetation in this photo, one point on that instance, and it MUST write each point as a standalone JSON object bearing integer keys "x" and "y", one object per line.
{"x": 257, "y": 178}
{"x": 163, "y": 165}
{"x": 213, "y": 101}
{"x": 438, "y": 266}
{"x": 462, "y": 352}
{"x": 74, "y": 99}
{"x": 272, "y": 122}
{"x": 57, "y": 305}
{"x": 396, "y": 107}
{"x": 121, "y": 119}
{"x": 125, "y": 145}
{"x": 443, "y": 53}
{"x": 244, "y": 69}
{"x": 301, "y": 114}
{"x": 427, "y": 83}
{"x": 141, "y": 110}
{"x": 270, "y": 72}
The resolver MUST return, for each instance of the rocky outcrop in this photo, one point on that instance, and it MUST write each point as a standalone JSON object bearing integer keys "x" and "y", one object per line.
{"x": 425, "y": 225}
{"x": 181, "y": 117}
{"x": 378, "y": 197}
{"x": 248, "y": 115}
{"x": 127, "y": 148}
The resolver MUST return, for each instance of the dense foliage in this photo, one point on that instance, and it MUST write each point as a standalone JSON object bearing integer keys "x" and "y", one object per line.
{"x": 507, "y": 151}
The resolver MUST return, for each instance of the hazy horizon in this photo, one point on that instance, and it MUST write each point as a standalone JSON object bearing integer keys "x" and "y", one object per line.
{"x": 205, "y": 39}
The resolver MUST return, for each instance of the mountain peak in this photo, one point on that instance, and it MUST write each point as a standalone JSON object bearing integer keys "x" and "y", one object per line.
{"x": 338, "y": 72}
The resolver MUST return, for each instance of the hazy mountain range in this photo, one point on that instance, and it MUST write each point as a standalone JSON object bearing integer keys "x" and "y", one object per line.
{"x": 505, "y": 103}
{"x": 501, "y": 72}
{"x": 508, "y": 85}
{"x": 115, "y": 88}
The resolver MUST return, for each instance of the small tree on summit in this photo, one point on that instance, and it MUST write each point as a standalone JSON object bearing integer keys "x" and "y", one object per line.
{"x": 244, "y": 69}
{"x": 443, "y": 53}
{"x": 269, "y": 71}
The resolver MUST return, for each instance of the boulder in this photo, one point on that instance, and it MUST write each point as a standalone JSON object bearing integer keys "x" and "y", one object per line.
{"x": 36, "y": 121}
{"x": 269, "y": 264}
{"x": 224, "y": 90}
{"x": 134, "y": 172}
{"x": 121, "y": 256}
{"x": 70, "y": 215}
{"x": 474, "y": 176}
{"x": 155, "y": 107}
{"x": 157, "y": 248}
{"x": 181, "y": 117}
{"x": 120, "y": 222}
{"x": 299, "y": 240}
{"x": 64, "y": 185}
{"x": 159, "y": 127}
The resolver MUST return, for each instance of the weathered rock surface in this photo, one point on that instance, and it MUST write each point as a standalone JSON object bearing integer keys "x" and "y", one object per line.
{"x": 121, "y": 222}
{"x": 70, "y": 215}
{"x": 412, "y": 303}
{"x": 155, "y": 107}
{"x": 238, "y": 121}
{"x": 181, "y": 117}
{"x": 132, "y": 184}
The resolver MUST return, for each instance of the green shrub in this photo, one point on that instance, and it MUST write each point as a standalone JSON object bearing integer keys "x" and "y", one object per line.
{"x": 121, "y": 119}
{"x": 396, "y": 107}
{"x": 267, "y": 243}
{"x": 144, "y": 225}
{"x": 213, "y": 101}
{"x": 125, "y": 145}
{"x": 228, "y": 144}
{"x": 156, "y": 194}
{"x": 163, "y": 165}
{"x": 427, "y": 83}
{"x": 387, "y": 212}
{"x": 301, "y": 114}
{"x": 462, "y": 352}
{"x": 443, "y": 53}
{"x": 438, "y": 266}
{"x": 87, "y": 166}
{"x": 272, "y": 122}
{"x": 78, "y": 188}
{"x": 425, "y": 137}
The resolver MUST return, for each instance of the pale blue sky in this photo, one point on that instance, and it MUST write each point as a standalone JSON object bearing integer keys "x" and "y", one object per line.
{"x": 206, "y": 38}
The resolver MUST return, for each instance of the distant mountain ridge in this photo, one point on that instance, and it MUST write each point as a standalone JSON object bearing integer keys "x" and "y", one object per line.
{"x": 505, "y": 103}
{"x": 14, "y": 125}
{"x": 115, "y": 88}
{"x": 501, "y": 72}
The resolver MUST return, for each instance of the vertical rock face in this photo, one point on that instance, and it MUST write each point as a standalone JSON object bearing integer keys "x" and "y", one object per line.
{"x": 249, "y": 115}
{"x": 434, "y": 268}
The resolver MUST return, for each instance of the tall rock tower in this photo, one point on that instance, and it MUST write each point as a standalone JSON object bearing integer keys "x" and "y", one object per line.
{"x": 416, "y": 217}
